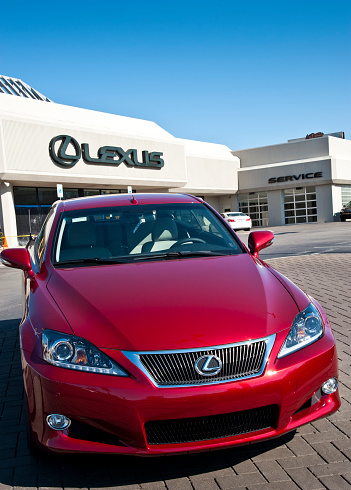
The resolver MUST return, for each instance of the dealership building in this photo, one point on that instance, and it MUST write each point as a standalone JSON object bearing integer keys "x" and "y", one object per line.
{"x": 43, "y": 144}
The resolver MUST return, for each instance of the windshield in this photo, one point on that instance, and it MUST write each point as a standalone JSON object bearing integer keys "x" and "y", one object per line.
{"x": 141, "y": 232}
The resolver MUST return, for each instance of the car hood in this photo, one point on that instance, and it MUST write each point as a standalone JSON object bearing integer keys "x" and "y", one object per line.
{"x": 173, "y": 304}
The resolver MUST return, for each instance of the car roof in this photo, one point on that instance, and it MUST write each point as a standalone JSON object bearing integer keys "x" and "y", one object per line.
{"x": 109, "y": 200}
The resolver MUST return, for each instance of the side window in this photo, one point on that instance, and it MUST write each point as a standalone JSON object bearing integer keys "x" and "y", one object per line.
{"x": 42, "y": 238}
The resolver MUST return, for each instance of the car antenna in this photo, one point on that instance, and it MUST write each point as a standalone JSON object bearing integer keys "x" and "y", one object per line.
{"x": 134, "y": 201}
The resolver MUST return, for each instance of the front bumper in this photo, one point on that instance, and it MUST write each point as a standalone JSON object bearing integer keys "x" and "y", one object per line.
{"x": 109, "y": 413}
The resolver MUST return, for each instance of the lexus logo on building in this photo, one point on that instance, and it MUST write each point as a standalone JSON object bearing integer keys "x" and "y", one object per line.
{"x": 66, "y": 151}
{"x": 208, "y": 365}
{"x": 60, "y": 153}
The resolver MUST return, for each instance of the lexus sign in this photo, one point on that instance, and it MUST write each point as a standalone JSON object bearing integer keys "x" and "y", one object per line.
{"x": 66, "y": 152}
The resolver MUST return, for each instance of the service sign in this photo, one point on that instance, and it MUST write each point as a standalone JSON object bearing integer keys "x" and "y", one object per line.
{"x": 295, "y": 178}
{"x": 66, "y": 152}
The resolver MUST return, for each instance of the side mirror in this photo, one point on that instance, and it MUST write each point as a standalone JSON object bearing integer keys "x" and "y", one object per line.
{"x": 16, "y": 257}
{"x": 258, "y": 240}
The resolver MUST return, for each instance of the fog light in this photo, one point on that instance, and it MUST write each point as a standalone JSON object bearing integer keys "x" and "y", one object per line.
{"x": 57, "y": 421}
{"x": 330, "y": 386}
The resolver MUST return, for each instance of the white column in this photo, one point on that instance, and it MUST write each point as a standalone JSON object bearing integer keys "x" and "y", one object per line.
{"x": 213, "y": 201}
{"x": 8, "y": 218}
{"x": 227, "y": 202}
{"x": 275, "y": 208}
{"x": 324, "y": 203}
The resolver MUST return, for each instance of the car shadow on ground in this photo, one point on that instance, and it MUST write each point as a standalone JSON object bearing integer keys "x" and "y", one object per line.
{"x": 19, "y": 468}
{"x": 100, "y": 471}
{"x": 7, "y": 324}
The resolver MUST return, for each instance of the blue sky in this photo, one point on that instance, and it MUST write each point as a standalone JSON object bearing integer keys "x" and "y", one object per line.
{"x": 243, "y": 74}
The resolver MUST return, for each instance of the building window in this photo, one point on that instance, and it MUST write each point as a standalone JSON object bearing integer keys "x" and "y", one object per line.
{"x": 116, "y": 191}
{"x": 32, "y": 205}
{"x": 345, "y": 194}
{"x": 47, "y": 195}
{"x": 255, "y": 204}
{"x": 71, "y": 193}
{"x": 31, "y": 211}
{"x": 300, "y": 205}
{"x": 91, "y": 192}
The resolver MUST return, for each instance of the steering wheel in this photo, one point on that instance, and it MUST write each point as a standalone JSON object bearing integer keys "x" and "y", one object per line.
{"x": 186, "y": 240}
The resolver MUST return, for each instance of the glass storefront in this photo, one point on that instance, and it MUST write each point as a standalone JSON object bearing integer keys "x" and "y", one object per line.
{"x": 255, "y": 204}
{"x": 32, "y": 205}
{"x": 300, "y": 205}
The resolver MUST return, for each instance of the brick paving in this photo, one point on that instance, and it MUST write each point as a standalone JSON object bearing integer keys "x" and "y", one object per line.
{"x": 317, "y": 456}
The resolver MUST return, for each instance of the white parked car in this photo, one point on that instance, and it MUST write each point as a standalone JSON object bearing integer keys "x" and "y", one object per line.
{"x": 238, "y": 221}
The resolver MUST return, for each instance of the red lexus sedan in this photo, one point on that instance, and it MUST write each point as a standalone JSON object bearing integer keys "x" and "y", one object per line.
{"x": 149, "y": 328}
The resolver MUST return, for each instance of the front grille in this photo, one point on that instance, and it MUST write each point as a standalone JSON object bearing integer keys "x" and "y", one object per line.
{"x": 212, "y": 427}
{"x": 177, "y": 368}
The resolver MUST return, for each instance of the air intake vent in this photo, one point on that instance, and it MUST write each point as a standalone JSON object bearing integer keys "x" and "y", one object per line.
{"x": 213, "y": 427}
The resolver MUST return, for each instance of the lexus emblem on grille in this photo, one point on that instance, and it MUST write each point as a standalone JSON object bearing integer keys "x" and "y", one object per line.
{"x": 208, "y": 365}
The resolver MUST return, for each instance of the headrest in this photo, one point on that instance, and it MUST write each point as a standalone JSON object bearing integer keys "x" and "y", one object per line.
{"x": 82, "y": 234}
{"x": 164, "y": 229}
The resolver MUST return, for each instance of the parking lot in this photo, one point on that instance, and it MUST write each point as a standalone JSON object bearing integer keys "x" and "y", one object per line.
{"x": 308, "y": 239}
{"x": 317, "y": 456}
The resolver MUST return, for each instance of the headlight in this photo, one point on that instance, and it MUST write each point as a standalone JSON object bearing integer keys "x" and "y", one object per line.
{"x": 70, "y": 352}
{"x": 306, "y": 329}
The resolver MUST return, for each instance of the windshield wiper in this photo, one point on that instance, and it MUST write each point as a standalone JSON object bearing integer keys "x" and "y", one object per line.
{"x": 93, "y": 260}
{"x": 175, "y": 255}
{"x": 135, "y": 258}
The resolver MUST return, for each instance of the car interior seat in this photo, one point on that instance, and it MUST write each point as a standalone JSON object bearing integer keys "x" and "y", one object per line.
{"x": 164, "y": 234}
{"x": 115, "y": 241}
{"x": 81, "y": 242}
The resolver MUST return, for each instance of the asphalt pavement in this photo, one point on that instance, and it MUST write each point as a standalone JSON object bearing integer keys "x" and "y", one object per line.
{"x": 306, "y": 239}
{"x": 317, "y": 456}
